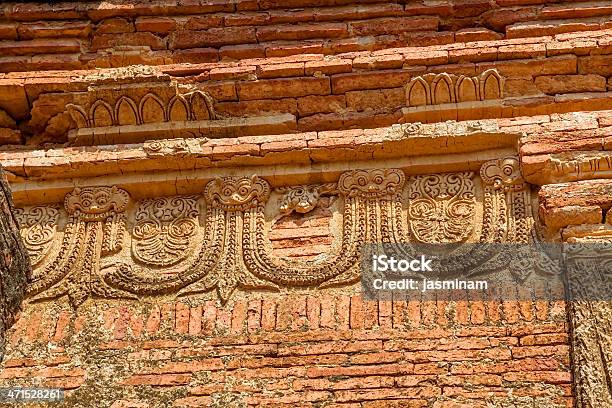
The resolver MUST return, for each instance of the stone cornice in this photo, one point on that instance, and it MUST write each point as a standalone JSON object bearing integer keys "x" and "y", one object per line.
{"x": 183, "y": 165}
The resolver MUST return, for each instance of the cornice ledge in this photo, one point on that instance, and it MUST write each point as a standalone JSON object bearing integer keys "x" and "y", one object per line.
{"x": 178, "y": 166}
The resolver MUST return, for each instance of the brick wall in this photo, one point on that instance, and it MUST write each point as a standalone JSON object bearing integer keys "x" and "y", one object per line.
{"x": 305, "y": 348}
{"x": 109, "y": 34}
{"x": 320, "y": 349}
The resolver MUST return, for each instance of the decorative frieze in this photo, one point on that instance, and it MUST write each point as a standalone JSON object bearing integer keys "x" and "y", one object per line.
{"x": 219, "y": 240}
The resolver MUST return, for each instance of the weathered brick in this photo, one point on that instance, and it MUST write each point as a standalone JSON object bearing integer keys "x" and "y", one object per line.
{"x": 284, "y": 88}
{"x": 394, "y": 25}
{"x": 570, "y": 83}
{"x": 213, "y": 37}
{"x": 103, "y": 41}
{"x": 342, "y": 83}
{"x": 302, "y": 31}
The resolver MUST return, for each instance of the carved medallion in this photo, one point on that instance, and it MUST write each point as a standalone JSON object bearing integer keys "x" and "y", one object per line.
{"x": 442, "y": 207}
{"x": 163, "y": 230}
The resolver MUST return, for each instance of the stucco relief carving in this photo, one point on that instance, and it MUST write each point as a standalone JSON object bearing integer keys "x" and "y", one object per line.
{"x": 163, "y": 229}
{"x": 95, "y": 228}
{"x": 437, "y": 89}
{"x": 38, "y": 229}
{"x": 175, "y": 251}
{"x": 302, "y": 199}
{"x": 151, "y": 108}
{"x": 442, "y": 207}
{"x": 588, "y": 269}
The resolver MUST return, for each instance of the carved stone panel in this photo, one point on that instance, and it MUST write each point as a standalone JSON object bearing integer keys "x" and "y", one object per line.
{"x": 38, "y": 226}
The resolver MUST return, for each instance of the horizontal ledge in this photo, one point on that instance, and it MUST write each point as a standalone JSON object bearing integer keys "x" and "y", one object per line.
{"x": 177, "y": 182}
{"x": 230, "y": 127}
{"x": 398, "y": 141}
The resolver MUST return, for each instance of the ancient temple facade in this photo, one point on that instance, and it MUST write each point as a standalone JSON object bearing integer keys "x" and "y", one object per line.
{"x": 195, "y": 182}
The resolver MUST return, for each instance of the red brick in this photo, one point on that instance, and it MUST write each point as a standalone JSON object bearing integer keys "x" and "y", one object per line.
{"x": 158, "y": 379}
{"x": 577, "y": 10}
{"x": 246, "y": 19}
{"x": 114, "y": 25}
{"x": 302, "y": 31}
{"x": 544, "y": 339}
{"x": 379, "y": 62}
{"x": 56, "y": 29}
{"x": 596, "y": 64}
{"x": 195, "y": 55}
{"x": 40, "y": 46}
{"x": 243, "y": 51}
{"x": 321, "y": 104}
{"x": 328, "y": 67}
{"x": 8, "y": 31}
{"x": 499, "y": 19}
{"x": 376, "y": 99}
{"x": 539, "y": 351}
{"x": 240, "y": 72}
{"x": 182, "y": 318}
{"x": 394, "y": 25}
{"x": 342, "y": 83}
{"x": 213, "y": 37}
{"x": 550, "y": 377}
{"x": 281, "y": 70}
{"x": 283, "y": 88}
{"x": 156, "y": 24}
{"x": 203, "y": 22}
{"x": 103, "y": 41}
{"x": 476, "y": 34}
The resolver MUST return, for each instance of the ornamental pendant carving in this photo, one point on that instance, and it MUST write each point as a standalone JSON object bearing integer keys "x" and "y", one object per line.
{"x": 95, "y": 226}
{"x": 442, "y": 207}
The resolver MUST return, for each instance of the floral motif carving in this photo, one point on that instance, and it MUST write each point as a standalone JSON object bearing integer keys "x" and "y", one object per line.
{"x": 163, "y": 229}
{"x": 442, "y": 207}
{"x": 38, "y": 228}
